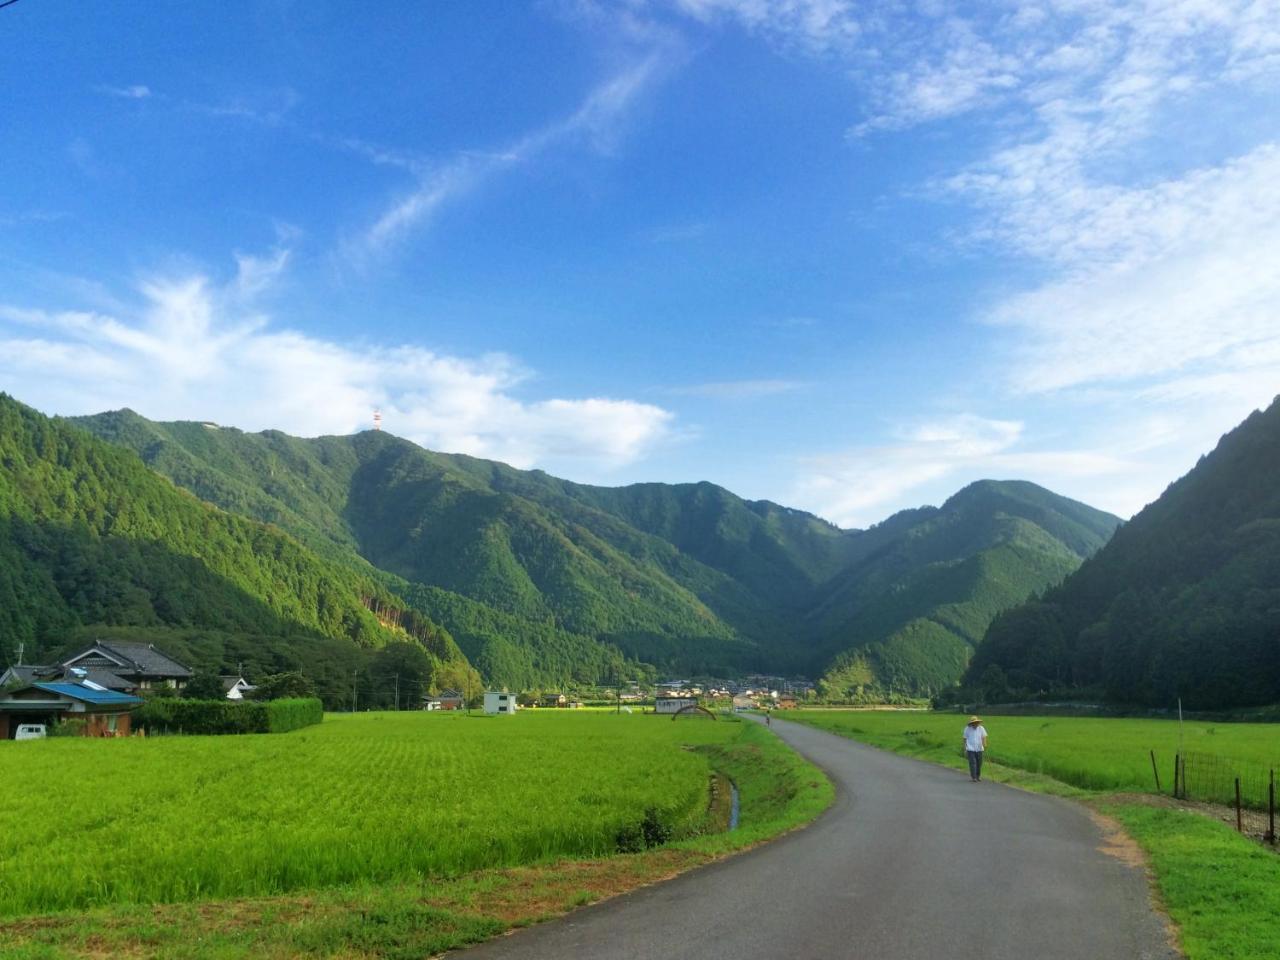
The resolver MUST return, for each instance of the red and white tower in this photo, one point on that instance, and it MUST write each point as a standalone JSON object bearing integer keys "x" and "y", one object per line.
{"x": 377, "y": 419}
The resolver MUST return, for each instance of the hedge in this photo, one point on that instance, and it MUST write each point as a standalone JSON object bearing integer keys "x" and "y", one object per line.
{"x": 171, "y": 715}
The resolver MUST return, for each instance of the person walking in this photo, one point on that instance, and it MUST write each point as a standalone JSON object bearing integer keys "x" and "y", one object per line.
{"x": 975, "y": 745}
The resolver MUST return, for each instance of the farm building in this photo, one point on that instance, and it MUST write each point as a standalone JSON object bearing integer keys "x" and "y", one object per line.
{"x": 674, "y": 704}
{"x": 105, "y": 712}
{"x": 500, "y": 703}
{"x": 554, "y": 700}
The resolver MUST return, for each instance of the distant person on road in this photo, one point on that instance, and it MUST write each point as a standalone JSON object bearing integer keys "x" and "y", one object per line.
{"x": 975, "y": 744}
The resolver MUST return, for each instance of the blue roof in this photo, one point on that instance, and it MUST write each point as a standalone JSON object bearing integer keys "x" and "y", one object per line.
{"x": 89, "y": 695}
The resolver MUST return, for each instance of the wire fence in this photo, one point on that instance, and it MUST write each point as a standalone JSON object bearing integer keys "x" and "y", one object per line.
{"x": 1247, "y": 788}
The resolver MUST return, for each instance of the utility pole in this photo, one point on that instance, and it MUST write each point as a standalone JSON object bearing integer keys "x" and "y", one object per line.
{"x": 355, "y": 674}
{"x": 21, "y": 647}
{"x": 397, "y": 692}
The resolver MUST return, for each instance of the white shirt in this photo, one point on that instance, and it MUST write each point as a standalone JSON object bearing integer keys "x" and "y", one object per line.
{"x": 973, "y": 736}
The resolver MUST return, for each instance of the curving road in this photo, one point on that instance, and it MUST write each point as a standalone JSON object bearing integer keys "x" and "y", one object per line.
{"x": 912, "y": 862}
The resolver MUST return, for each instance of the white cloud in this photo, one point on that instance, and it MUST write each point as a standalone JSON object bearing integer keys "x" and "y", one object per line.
{"x": 816, "y": 26}
{"x": 857, "y": 487}
{"x": 196, "y": 350}
{"x": 1119, "y": 468}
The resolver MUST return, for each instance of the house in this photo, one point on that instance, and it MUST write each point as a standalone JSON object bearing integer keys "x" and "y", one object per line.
{"x": 105, "y": 712}
{"x": 554, "y": 700}
{"x": 445, "y": 700}
{"x": 500, "y": 703}
{"x": 139, "y": 663}
{"x": 237, "y": 688}
{"x": 674, "y": 704}
{"x": 787, "y": 702}
{"x": 27, "y": 674}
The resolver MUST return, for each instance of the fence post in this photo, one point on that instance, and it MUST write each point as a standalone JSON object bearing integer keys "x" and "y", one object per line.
{"x": 1271, "y": 808}
{"x": 1155, "y": 770}
{"x": 1176, "y": 762}
{"x": 1239, "y": 825}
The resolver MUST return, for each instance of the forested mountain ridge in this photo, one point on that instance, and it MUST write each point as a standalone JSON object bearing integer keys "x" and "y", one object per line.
{"x": 92, "y": 539}
{"x": 581, "y": 583}
{"x": 906, "y": 615}
{"x": 1183, "y": 602}
{"x": 530, "y": 572}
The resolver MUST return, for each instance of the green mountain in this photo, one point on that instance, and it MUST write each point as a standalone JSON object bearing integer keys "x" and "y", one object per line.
{"x": 541, "y": 580}
{"x": 1183, "y": 602}
{"x": 92, "y": 542}
{"x": 906, "y": 614}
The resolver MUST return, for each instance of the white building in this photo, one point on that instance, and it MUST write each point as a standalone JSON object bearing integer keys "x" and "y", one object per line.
{"x": 499, "y": 702}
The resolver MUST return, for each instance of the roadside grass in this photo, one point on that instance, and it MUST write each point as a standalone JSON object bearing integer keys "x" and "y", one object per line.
{"x": 1220, "y": 889}
{"x": 423, "y": 916}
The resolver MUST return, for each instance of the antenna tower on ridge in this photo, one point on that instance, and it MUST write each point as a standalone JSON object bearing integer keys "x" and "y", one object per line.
{"x": 377, "y": 419}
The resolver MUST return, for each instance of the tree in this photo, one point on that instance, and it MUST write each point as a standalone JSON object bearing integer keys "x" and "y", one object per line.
{"x": 204, "y": 686}
{"x": 401, "y": 672}
{"x": 280, "y": 686}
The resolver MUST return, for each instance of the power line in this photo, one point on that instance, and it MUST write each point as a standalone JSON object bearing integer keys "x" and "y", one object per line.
{"x": 7, "y": 3}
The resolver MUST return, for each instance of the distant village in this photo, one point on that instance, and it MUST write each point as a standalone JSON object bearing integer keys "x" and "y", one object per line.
{"x": 99, "y": 687}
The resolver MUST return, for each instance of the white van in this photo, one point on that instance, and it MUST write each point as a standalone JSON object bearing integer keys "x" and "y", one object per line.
{"x": 30, "y": 731}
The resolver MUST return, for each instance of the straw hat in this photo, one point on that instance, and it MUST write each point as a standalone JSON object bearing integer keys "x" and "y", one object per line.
{"x": 975, "y": 719}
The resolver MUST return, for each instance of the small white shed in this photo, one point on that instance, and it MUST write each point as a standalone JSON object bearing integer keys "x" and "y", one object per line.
{"x": 499, "y": 702}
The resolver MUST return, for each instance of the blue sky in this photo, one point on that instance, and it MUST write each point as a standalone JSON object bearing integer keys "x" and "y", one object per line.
{"x": 844, "y": 256}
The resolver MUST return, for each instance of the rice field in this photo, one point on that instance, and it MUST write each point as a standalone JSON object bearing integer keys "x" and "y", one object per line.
{"x": 364, "y": 797}
{"x": 1093, "y": 753}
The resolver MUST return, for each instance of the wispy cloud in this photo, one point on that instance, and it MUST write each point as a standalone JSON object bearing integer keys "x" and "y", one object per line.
{"x": 814, "y": 26}
{"x": 857, "y": 487}
{"x": 930, "y": 460}
{"x": 267, "y": 107}
{"x": 137, "y": 91}
{"x": 594, "y": 124}
{"x": 737, "y": 389}
{"x": 192, "y": 348}
{"x": 1154, "y": 234}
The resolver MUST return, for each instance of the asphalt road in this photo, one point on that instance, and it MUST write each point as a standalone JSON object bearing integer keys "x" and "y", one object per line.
{"x": 912, "y": 861}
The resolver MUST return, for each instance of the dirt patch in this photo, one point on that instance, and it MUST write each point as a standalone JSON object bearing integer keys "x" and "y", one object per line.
{"x": 523, "y": 894}
{"x": 1118, "y": 844}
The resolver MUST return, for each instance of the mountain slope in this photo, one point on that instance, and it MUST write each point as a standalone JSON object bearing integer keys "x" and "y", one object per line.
{"x": 1183, "y": 601}
{"x": 422, "y": 518}
{"x": 907, "y": 614}
{"x": 530, "y": 572}
{"x": 89, "y": 538}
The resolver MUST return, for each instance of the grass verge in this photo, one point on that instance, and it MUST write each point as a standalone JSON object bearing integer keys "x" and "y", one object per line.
{"x": 778, "y": 791}
{"x": 1221, "y": 890}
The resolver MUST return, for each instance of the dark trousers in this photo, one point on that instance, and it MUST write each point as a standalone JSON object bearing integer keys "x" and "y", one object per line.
{"x": 975, "y": 764}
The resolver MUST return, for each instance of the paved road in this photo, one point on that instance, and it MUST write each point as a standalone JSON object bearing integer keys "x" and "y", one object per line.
{"x": 912, "y": 862}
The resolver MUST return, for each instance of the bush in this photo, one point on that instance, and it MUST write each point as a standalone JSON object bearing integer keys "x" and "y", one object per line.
{"x": 285, "y": 715}
{"x": 227, "y": 716}
{"x": 67, "y": 727}
{"x": 648, "y": 833}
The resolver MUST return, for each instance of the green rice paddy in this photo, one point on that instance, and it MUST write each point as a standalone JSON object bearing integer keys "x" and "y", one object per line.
{"x": 372, "y": 797}
{"x": 1090, "y": 753}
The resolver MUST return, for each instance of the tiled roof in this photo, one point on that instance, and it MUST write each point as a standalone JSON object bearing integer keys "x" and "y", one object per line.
{"x": 85, "y": 694}
{"x": 145, "y": 658}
